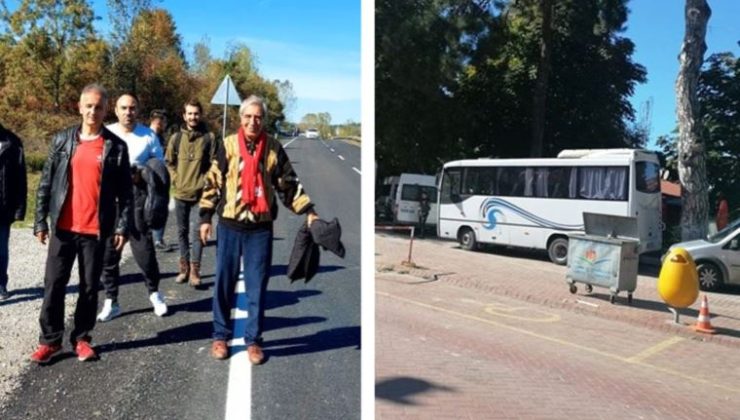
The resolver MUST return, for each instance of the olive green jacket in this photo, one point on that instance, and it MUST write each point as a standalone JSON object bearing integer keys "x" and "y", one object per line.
{"x": 189, "y": 155}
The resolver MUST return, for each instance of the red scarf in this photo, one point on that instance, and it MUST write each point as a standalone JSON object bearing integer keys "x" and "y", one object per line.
{"x": 253, "y": 187}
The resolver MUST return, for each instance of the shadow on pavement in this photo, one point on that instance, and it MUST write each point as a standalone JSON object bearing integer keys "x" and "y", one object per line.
{"x": 184, "y": 333}
{"x": 334, "y": 338}
{"x": 276, "y": 322}
{"x": 401, "y": 389}
{"x": 276, "y": 299}
{"x": 282, "y": 270}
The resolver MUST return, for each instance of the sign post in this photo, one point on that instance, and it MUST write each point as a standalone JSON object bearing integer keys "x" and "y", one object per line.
{"x": 226, "y": 95}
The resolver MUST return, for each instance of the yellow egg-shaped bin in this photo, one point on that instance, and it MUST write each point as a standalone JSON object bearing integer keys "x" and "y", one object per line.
{"x": 678, "y": 282}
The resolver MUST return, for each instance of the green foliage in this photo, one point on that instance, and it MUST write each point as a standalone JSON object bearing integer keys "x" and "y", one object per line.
{"x": 458, "y": 82}
{"x": 43, "y": 33}
{"x": 35, "y": 162}
{"x": 50, "y": 51}
{"x": 348, "y": 129}
{"x": 320, "y": 121}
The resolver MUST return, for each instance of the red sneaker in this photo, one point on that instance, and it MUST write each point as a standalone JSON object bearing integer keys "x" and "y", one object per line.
{"x": 84, "y": 351}
{"x": 45, "y": 352}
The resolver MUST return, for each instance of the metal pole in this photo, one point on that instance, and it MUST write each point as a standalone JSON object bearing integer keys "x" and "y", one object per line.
{"x": 226, "y": 108}
{"x": 675, "y": 315}
{"x": 411, "y": 244}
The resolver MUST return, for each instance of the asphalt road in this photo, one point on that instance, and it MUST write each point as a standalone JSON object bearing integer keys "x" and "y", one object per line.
{"x": 348, "y": 153}
{"x": 160, "y": 368}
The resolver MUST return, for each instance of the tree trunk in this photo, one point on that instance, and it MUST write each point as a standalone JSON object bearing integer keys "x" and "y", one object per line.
{"x": 691, "y": 160}
{"x": 543, "y": 74}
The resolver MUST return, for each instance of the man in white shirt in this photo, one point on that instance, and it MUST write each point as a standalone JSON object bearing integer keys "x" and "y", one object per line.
{"x": 142, "y": 145}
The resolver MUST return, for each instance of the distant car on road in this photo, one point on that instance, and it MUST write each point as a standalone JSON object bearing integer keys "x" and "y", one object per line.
{"x": 717, "y": 257}
{"x": 312, "y": 133}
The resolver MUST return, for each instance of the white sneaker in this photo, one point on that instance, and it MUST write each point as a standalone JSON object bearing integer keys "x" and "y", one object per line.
{"x": 110, "y": 310}
{"x": 160, "y": 308}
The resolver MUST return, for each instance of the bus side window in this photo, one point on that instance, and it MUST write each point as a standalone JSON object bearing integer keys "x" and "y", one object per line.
{"x": 557, "y": 183}
{"x": 510, "y": 181}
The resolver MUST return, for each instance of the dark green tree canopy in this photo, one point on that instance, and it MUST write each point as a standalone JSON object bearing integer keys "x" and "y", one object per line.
{"x": 458, "y": 81}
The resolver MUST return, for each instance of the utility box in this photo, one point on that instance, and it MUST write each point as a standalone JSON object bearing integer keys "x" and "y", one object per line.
{"x": 605, "y": 256}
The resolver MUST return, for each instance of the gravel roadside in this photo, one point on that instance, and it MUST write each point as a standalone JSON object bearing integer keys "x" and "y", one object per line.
{"x": 19, "y": 326}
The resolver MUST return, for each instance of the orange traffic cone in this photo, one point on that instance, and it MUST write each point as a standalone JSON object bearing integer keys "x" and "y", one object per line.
{"x": 702, "y": 323}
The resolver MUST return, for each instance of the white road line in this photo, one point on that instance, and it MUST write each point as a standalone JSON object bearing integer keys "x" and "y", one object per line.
{"x": 286, "y": 144}
{"x": 239, "y": 391}
{"x": 239, "y": 394}
{"x": 332, "y": 149}
{"x": 356, "y": 170}
{"x": 237, "y": 342}
{"x": 340, "y": 157}
{"x": 237, "y": 313}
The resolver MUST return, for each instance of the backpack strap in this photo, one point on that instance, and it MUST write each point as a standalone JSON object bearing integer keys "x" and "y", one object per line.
{"x": 176, "y": 145}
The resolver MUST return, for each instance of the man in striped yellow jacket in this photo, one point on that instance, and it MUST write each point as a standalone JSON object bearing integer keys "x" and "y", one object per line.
{"x": 240, "y": 186}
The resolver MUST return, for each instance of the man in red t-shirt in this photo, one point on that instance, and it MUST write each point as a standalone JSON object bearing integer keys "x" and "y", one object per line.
{"x": 86, "y": 176}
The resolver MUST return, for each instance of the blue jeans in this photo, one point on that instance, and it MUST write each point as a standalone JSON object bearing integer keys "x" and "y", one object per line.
{"x": 253, "y": 249}
{"x": 188, "y": 224}
{"x": 158, "y": 235}
{"x": 4, "y": 254}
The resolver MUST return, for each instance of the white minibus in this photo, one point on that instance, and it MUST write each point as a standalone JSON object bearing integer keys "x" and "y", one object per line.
{"x": 537, "y": 202}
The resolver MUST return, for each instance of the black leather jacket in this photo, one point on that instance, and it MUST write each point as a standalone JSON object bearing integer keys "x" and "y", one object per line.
{"x": 12, "y": 178}
{"x": 115, "y": 185}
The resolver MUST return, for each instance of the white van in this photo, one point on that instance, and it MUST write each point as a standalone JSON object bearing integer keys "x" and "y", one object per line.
{"x": 385, "y": 194}
{"x": 406, "y": 198}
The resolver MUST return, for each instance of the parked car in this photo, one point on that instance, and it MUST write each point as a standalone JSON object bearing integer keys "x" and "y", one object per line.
{"x": 312, "y": 133}
{"x": 717, "y": 257}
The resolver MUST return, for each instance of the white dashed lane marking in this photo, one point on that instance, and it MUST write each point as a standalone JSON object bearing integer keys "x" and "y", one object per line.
{"x": 239, "y": 391}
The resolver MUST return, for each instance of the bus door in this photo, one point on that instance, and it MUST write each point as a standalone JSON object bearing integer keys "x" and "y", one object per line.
{"x": 646, "y": 204}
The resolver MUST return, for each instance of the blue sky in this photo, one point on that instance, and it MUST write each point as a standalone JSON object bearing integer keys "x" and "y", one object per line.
{"x": 657, "y": 29}
{"x": 314, "y": 43}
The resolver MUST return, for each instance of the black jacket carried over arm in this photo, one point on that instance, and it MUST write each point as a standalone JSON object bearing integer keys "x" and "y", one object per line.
{"x": 152, "y": 211}
{"x": 13, "y": 184}
{"x": 115, "y": 184}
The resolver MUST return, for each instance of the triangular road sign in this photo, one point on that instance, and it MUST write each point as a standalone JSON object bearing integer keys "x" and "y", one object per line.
{"x": 226, "y": 94}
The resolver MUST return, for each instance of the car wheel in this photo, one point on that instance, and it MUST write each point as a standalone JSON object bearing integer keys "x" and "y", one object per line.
{"x": 558, "y": 251}
{"x": 710, "y": 276}
{"x": 467, "y": 239}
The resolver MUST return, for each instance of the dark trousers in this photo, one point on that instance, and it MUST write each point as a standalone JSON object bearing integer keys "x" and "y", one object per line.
{"x": 64, "y": 247}
{"x": 422, "y": 224}
{"x": 142, "y": 246}
{"x": 253, "y": 250}
{"x": 4, "y": 252}
{"x": 188, "y": 223}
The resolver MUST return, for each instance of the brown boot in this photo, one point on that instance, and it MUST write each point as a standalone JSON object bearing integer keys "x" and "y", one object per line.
{"x": 182, "y": 276}
{"x": 195, "y": 274}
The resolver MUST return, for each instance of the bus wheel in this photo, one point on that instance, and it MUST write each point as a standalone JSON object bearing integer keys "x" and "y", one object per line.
{"x": 467, "y": 239}
{"x": 558, "y": 251}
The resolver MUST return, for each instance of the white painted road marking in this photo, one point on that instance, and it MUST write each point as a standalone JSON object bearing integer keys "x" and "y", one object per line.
{"x": 356, "y": 170}
{"x": 340, "y": 157}
{"x": 239, "y": 391}
{"x": 239, "y": 394}
{"x": 286, "y": 144}
{"x": 331, "y": 149}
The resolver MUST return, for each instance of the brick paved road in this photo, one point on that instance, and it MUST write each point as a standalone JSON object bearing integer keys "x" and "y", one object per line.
{"x": 501, "y": 337}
